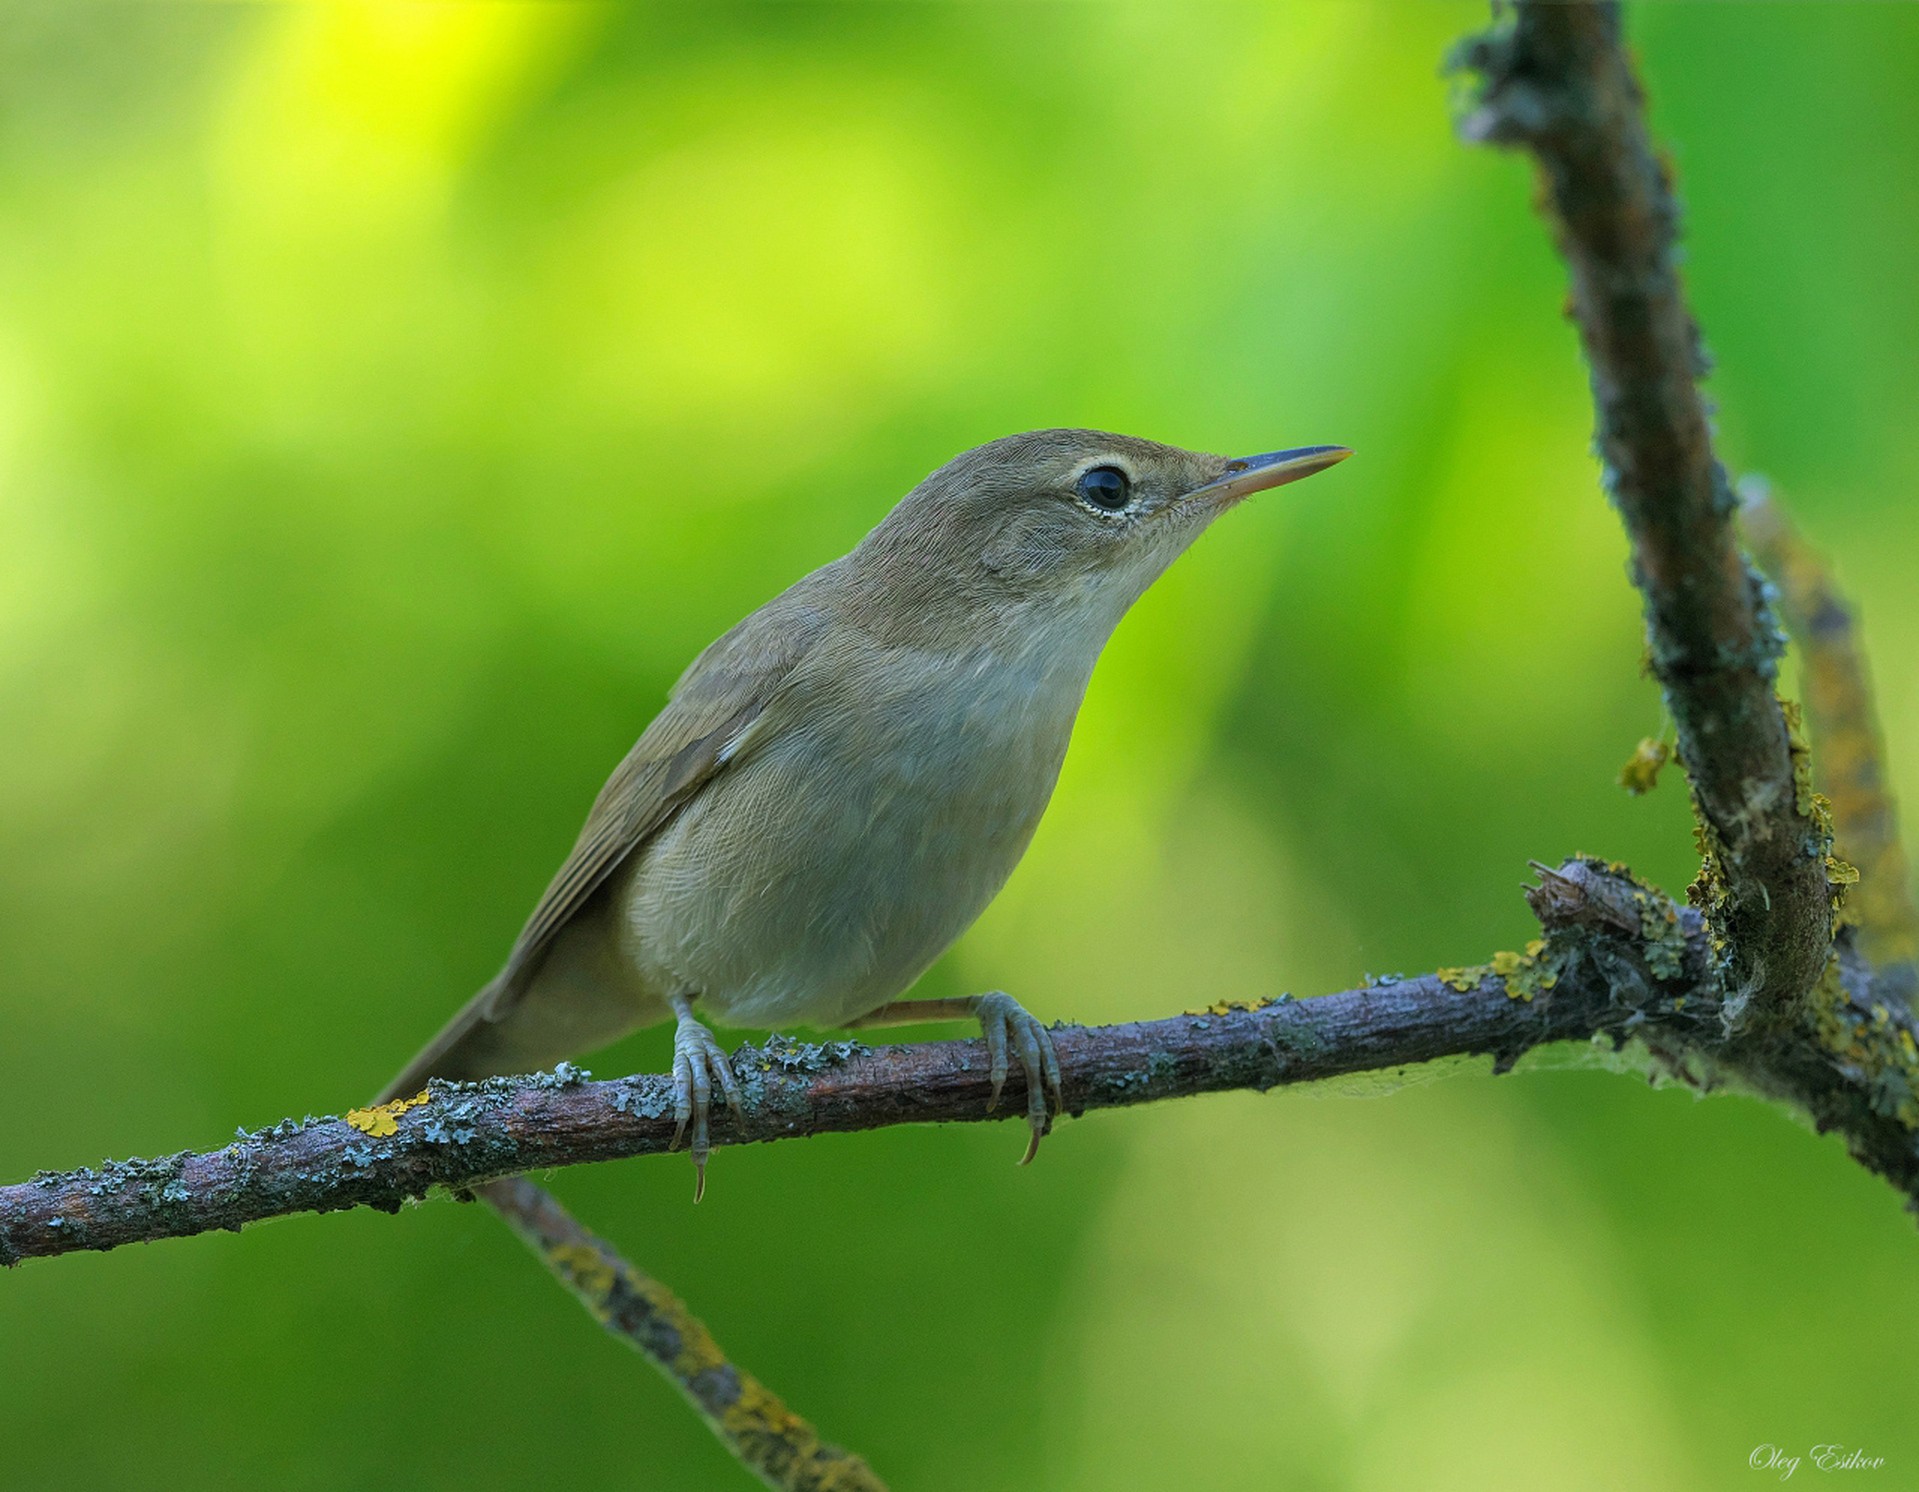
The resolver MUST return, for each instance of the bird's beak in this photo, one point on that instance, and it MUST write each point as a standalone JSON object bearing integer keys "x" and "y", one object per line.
{"x": 1249, "y": 474}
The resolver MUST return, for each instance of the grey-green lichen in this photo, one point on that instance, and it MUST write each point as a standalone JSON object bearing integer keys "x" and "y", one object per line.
{"x": 644, "y": 1098}
{"x": 1871, "y": 1045}
{"x": 151, "y": 1181}
{"x": 1299, "y": 1030}
{"x": 1589, "y": 890}
{"x": 784, "y": 1054}
{"x": 1524, "y": 976}
{"x": 1662, "y": 936}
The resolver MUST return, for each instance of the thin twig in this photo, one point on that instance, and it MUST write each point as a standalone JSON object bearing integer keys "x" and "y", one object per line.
{"x": 1848, "y": 750}
{"x": 1556, "y": 81}
{"x": 1618, "y": 960}
{"x": 771, "y": 1441}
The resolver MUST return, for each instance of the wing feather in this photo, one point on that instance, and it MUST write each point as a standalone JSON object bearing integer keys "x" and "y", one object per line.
{"x": 710, "y": 720}
{"x": 718, "y": 698}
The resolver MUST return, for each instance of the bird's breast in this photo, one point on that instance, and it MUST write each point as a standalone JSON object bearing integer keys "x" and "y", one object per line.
{"x": 870, "y": 820}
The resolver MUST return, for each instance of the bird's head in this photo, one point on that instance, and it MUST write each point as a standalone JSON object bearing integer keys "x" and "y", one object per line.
{"x": 1062, "y": 524}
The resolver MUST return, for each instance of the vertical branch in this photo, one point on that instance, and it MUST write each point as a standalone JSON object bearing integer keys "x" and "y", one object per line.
{"x": 774, "y": 1443}
{"x": 1849, "y": 756}
{"x": 1556, "y": 81}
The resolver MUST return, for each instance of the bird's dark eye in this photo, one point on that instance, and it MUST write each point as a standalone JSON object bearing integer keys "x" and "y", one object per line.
{"x": 1105, "y": 487}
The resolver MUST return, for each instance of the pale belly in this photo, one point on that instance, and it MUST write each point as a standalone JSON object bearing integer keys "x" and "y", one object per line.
{"x": 816, "y": 880}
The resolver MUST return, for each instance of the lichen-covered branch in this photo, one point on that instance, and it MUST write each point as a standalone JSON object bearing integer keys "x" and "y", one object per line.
{"x": 1617, "y": 961}
{"x": 1555, "y": 80}
{"x": 1849, "y": 754}
{"x": 771, "y": 1441}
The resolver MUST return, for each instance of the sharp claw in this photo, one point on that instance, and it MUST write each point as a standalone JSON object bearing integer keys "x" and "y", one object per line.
{"x": 1038, "y": 1120}
{"x": 697, "y": 1063}
{"x": 682, "y": 1111}
{"x": 1002, "y": 1018}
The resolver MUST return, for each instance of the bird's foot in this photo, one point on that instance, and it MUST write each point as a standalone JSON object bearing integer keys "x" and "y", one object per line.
{"x": 698, "y": 1061}
{"x": 1005, "y": 1022}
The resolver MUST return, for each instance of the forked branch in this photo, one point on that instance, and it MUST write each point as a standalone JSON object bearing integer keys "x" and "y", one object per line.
{"x": 1555, "y": 80}
{"x": 1617, "y": 961}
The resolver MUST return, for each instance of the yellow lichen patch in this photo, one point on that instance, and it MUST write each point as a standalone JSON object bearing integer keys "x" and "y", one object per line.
{"x": 591, "y": 1274}
{"x": 1803, "y": 795}
{"x": 1231, "y": 1007}
{"x": 1463, "y": 979}
{"x": 759, "y": 1412}
{"x": 1817, "y": 807}
{"x": 1526, "y": 976}
{"x": 769, "y": 1439}
{"x": 1511, "y": 967}
{"x": 698, "y": 1353}
{"x": 757, "y": 1420}
{"x": 1812, "y": 805}
{"x": 1708, "y": 891}
{"x": 383, "y": 1119}
{"x": 1640, "y": 775}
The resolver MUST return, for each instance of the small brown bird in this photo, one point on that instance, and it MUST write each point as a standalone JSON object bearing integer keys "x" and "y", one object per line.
{"x": 839, "y": 785}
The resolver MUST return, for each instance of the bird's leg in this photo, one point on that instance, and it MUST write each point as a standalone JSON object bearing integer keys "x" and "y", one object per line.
{"x": 698, "y": 1058}
{"x": 1003, "y": 1021}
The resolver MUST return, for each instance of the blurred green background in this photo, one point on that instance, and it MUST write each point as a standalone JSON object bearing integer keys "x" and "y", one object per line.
{"x": 393, "y": 398}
